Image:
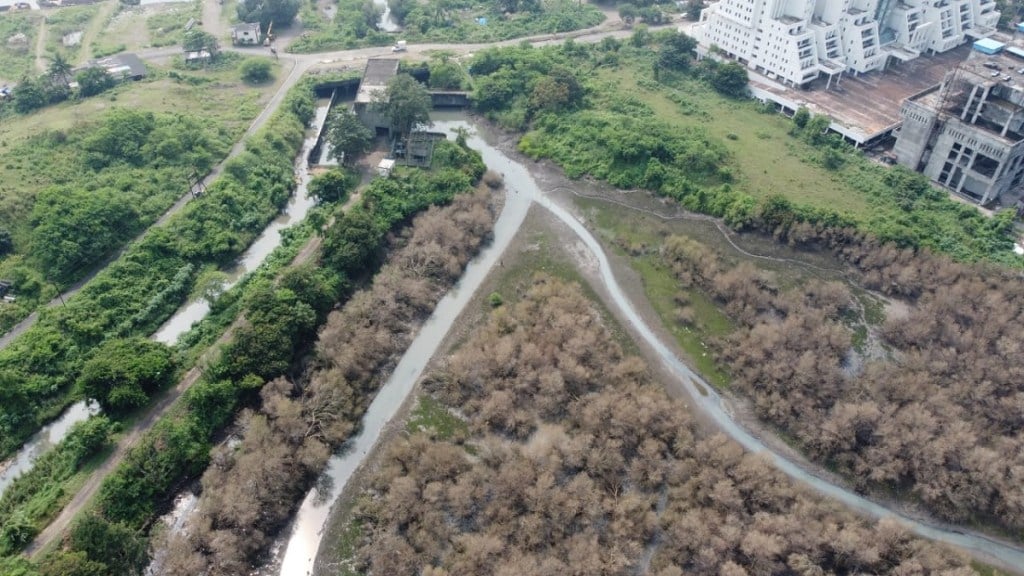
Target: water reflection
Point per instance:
(47, 437)
(295, 211)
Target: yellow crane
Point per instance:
(270, 34)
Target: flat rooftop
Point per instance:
(868, 105)
(1001, 68)
(378, 72)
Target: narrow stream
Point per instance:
(521, 191)
(295, 211)
(47, 437)
(308, 527)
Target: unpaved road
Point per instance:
(294, 74)
(41, 64)
(213, 23)
(61, 523)
(1004, 554)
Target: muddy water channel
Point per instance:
(188, 314)
(296, 551)
(303, 540)
(295, 211)
(47, 437)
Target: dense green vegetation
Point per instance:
(35, 496)
(136, 293)
(280, 320)
(124, 373)
(651, 117)
(355, 24)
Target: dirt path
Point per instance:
(155, 413)
(96, 25)
(41, 63)
(92, 485)
(293, 76)
(213, 23)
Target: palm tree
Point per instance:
(60, 68)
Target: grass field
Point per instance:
(766, 155)
(67, 21)
(432, 417)
(768, 159)
(16, 59)
(216, 96)
(623, 228)
(167, 26)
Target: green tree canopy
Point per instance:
(125, 372)
(197, 39)
(558, 90)
(730, 79)
(628, 12)
(92, 81)
(29, 95)
(332, 186)
(255, 70)
(446, 74)
(406, 102)
(278, 12)
(677, 51)
(116, 545)
(72, 564)
(349, 137)
(60, 68)
(72, 228)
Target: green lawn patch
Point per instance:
(68, 21)
(637, 240)
(434, 418)
(17, 57)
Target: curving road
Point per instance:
(1000, 553)
(1003, 554)
(303, 545)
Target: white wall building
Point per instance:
(797, 40)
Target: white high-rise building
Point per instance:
(797, 40)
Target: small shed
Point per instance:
(246, 34)
(988, 46)
(386, 166)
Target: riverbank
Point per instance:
(717, 412)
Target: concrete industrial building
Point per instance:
(796, 41)
(967, 134)
(376, 75)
